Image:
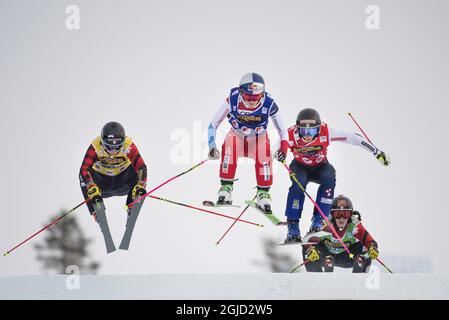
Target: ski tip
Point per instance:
(217, 243)
(349, 113)
(5, 254)
(351, 256)
(125, 207)
(260, 225)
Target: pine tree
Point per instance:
(65, 245)
(276, 261)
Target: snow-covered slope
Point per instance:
(230, 286)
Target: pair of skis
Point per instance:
(269, 215)
(100, 216)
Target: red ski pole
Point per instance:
(235, 221)
(163, 184)
(357, 124)
(299, 266)
(46, 227)
(384, 265)
(204, 210)
(360, 128)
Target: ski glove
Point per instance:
(382, 157)
(373, 253)
(139, 189)
(93, 191)
(312, 254)
(214, 154)
(281, 154)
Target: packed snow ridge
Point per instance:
(260, 286)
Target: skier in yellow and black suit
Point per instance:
(112, 166)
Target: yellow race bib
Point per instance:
(111, 165)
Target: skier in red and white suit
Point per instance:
(248, 109)
(309, 139)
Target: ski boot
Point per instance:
(96, 201)
(293, 234)
(263, 200)
(328, 264)
(317, 223)
(128, 215)
(225, 194)
(360, 264)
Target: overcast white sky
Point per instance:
(163, 67)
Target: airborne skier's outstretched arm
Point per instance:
(281, 154)
(141, 170)
(89, 159)
(218, 118)
(357, 140)
(89, 188)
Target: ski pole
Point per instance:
(384, 265)
(299, 266)
(235, 221)
(357, 124)
(292, 175)
(163, 184)
(204, 210)
(46, 227)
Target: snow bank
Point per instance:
(229, 286)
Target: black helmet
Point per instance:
(113, 136)
(308, 118)
(341, 206)
(341, 203)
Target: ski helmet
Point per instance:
(308, 122)
(308, 118)
(341, 207)
(341, 203)
(113, 136)
(252, 84)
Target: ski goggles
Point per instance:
(338, 214)
(252, 88)
(252, 97)
(311, 131)
(114, 146)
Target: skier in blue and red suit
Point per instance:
(308, 140)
